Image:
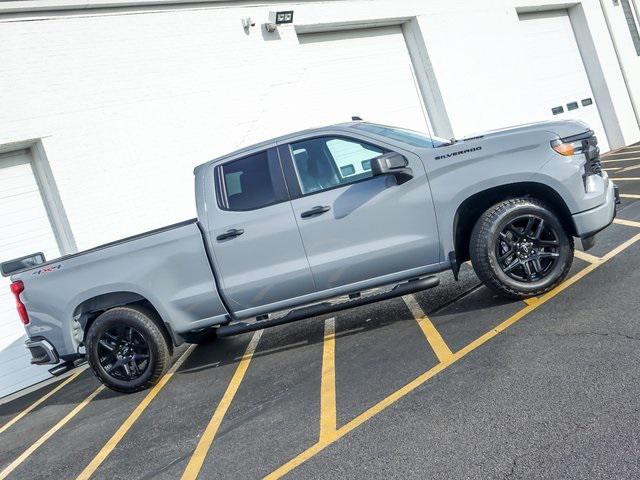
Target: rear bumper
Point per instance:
(42, 352)
(590, 222)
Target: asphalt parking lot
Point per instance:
(452, 382)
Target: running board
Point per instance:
(64, 367)
(399, 290)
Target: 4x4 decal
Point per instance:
(47, 269)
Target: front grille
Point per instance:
(592, 153)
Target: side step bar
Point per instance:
(64, 367)
(399, 290)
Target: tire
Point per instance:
(504, 250)
(117, 343)
(200, 337)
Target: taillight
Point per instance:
(17, 288)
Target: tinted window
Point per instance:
(328, 162)
(411, 137)
(248, 183)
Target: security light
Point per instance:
(247, 23)
(278, 18)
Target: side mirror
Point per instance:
(392, 164)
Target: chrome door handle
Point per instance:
(234, 232)
(319, 210)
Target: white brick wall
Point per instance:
(127, 102)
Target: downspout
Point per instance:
(622, 70)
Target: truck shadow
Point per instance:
(304, 333)
(358, 194)
(444, 305)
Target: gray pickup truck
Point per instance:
(315, 222)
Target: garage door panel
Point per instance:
(365, 72)
(24, 228)
(557, 73)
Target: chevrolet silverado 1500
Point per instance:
(314, 222)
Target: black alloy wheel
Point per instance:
(127, 348)
(520, 248)
(528, 248)
(124, 353)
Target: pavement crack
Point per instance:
(582, 334)
(599, 334)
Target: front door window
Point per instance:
(328, 162)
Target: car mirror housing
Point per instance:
(392, 164)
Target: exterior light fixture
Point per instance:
(278, 18)
(247, 23)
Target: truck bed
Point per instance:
(168, 267)
(109, 244)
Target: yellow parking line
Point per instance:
(40, 400)
(200, 453)
(625, 179)
(421, 379)
(623, 150)
(13, 465)
(629, 195)
(629, 168)
(628, 223)
(612, 160)
(439, 346)
(612, 169)
(620, 154)
(328, 382)
(587, 257)
(108, 447)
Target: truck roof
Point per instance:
(280, 139)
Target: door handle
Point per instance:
(234, 232)
(319, 210)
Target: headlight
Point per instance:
(582, 144)
(568, 148)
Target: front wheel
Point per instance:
(127, 350)
(520, 249)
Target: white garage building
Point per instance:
(107, 105)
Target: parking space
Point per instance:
(452, 382)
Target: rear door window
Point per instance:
(250, 183)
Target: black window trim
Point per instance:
(279, 183)
(291, 176)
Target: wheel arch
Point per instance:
(470, 210)
(90, 309)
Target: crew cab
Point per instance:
(314, 222)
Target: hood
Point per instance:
(561, 128)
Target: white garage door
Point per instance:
(366, 73)
(560, 86)
(24, 229)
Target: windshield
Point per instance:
(411, 137)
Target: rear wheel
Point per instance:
(127, 350)
(520, 249)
